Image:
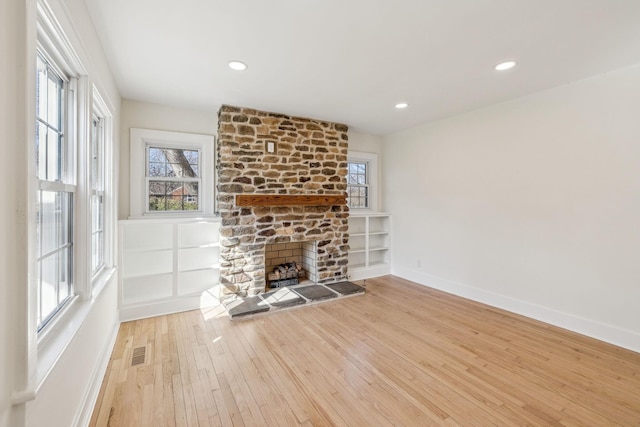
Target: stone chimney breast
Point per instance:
(262, 153)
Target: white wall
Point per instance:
(63, 397)
(143, 115)
(360, 141)
(531, 205)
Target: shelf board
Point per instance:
(356, 266)
(378, 264)
(357, 251)
(380, 248)
(214, 267)
(371, 214)
(371, 265)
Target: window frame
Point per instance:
(103, 187)
(371, 160)
(43, 346)
(141, 140)
(97, 279)
(64, 183)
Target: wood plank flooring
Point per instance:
(402, 354)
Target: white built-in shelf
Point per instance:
(166, 265)
(369, 241)
(210, 268)
(378, 265)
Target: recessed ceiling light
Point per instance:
(401, 105)
(505, 65)
(237, 65)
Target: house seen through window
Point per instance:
(173, 179)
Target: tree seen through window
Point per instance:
(357, 185)
(173, 178)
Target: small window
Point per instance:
(173, 179)
(362, 179)
(171, 173)
(358, 185)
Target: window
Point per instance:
(71, 218)
(358, 184)
(56, 191)
(361, 180)
(171, 173)
(97, 194)
(173, 179)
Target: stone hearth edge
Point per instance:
(289, 297)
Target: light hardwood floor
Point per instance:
(402, 354)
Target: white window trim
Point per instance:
(73, 118)
(371, 159)
(143, 138)
(99, 108)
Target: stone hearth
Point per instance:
(289, 297)
(264, 153)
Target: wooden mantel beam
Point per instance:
(255, 200)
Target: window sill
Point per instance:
(366, 212)
(53, 342)
(171, 219)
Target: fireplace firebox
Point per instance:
(289, 264)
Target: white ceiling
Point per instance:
(350, 61)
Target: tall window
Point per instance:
(97, 194)
(56, 190)
(358, 184)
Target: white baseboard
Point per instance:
(614, 335)
(83, 417)
(159, 308)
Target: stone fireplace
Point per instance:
(281, 180)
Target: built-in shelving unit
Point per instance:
(370, 245)
(166, 265)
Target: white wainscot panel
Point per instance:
(197, 234)
(137, 290)
(138, 263)
(197, 258)
(198, 281)
(147, 236)
(167, 265)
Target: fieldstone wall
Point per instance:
(310, 157)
